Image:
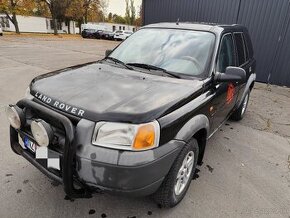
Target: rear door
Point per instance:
(242, 58)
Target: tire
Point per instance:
(167, 195)
(240, 112)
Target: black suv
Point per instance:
(88, 33)
(104, 34)
(137, 122)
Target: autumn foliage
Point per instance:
(81, 11)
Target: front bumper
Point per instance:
(126, 172)
(92, 167)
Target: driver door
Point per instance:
(226, 92)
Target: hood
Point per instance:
(102, 92)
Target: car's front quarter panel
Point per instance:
(130, 172)
(184, 122)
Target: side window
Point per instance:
(246, 48)
(241, 48)
(226, 54)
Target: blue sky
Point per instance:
(119, 6)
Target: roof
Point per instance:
(210, 27)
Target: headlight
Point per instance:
(27, 94)
(42, 132)
(15, 116)
(127, 136)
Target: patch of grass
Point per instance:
(13, 34)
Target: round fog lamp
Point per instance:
(42, 132)
(15, 116)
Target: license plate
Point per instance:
(46, 157)
(29, 144)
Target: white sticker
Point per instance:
(53, 163)
(41, 153)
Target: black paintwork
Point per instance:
(97, 34)
(88, 33)
(104, 91)
(102, 34)
(111, 93)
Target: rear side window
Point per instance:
(246, 48)
(226, 56)
(242, 52)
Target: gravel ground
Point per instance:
(245, 171)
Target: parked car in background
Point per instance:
(88, 33)
(104, 34)
(108, 35)
(98, 34)
(122, 35)
(1, 31)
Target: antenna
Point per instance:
(177, 22)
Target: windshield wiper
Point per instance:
(117, 61)
(152, 67)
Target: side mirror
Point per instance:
(232, 74)
(108, 52)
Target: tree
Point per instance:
(119, 19)
(127, 12)
(110, 17)
(133, 12)
(40, 9)
(13, 7)
(75, 12)
(139, 21)
(130, 13)
(104, 7)
(95, 13)
(84, 11)
(87, 5)
(57, 10)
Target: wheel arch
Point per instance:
(252, 85)
(201, 138)
(198, 128)
(249, 86)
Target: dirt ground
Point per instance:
(245, 173)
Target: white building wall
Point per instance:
(64, 27)
(73, 28)
(39, 25)
(43, 25)
(109, 26)
(29, 24)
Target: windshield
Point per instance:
(180, 51)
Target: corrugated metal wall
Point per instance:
(267, 20)
(217, 11)
(280, 74)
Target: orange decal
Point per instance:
(230, 93)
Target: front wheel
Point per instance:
(240, 112)
(177, 181)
